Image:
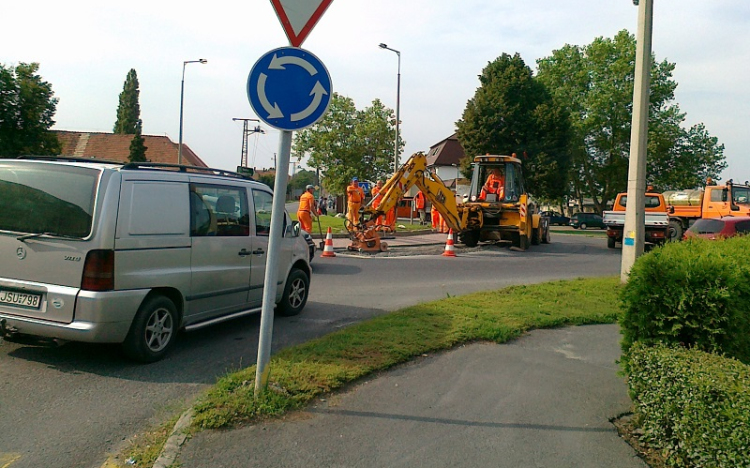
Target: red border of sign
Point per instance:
(294, 39)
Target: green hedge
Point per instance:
(694, 293)
(694, 406)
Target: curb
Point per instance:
(172, 446)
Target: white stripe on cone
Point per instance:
(449, 249)
(328, 247)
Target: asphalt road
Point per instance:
(71, 406)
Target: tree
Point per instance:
(27, 106)
(348, 143)
(268, 179)
(137, 147)
(594, 84)
(513, 113)
(129, 111)
(302, 179)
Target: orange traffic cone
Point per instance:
(449, 250)
(328, 247)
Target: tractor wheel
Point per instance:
(469, 238)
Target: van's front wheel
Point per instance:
(153, 330)
(295, 294)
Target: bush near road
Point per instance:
(686, 329)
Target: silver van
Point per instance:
(131, 253)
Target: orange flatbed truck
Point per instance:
(656, 219)
(713, 201)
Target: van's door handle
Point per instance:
(243, 253)
(258, 251)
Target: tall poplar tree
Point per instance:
(137, 147)
(129, 110)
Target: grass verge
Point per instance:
(337, 225)
(299, 373)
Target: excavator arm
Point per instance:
(414, 172)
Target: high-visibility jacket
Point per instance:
(305, 210)
(494, 183)
(306, 202)
(355, 194)
(419, 200)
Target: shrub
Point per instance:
(692, 405)
(694, 293)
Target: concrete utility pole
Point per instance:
(246, 131)
(634, 230)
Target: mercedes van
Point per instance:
(132, 253)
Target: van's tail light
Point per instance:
(99, 271)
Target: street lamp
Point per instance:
(182, 100)
(398, 106)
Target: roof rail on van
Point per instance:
(182, 168)
(60, 157)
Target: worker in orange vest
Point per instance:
(306, 210)
(495, 184)
(390, 219)
(377, 197)
(355, 196)
(436, 219)
(419, 203)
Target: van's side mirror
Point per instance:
(292, 230)
(724, 196)
(671, 209)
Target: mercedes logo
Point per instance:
(21, 253)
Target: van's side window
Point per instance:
(218, 211)
(263, 202)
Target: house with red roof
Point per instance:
(116, 147)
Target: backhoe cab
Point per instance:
(499, 210)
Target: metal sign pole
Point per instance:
(272, 264)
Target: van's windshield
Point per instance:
(37, 198)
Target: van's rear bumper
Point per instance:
(100, 317)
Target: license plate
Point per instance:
(20, 298)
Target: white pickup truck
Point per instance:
(657, 219)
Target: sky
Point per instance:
(85, 50)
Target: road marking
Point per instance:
(7, 459)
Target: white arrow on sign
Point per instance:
(317, 93)
(278, 63)
(274, 112)
(299, 17)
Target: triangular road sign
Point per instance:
(298, 17)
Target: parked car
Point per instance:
(587, 220)
(130, 254)
(719, 228)
(556, 218)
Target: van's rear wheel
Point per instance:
(153, 330)
(295, 294)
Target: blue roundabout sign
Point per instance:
(289, 88)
